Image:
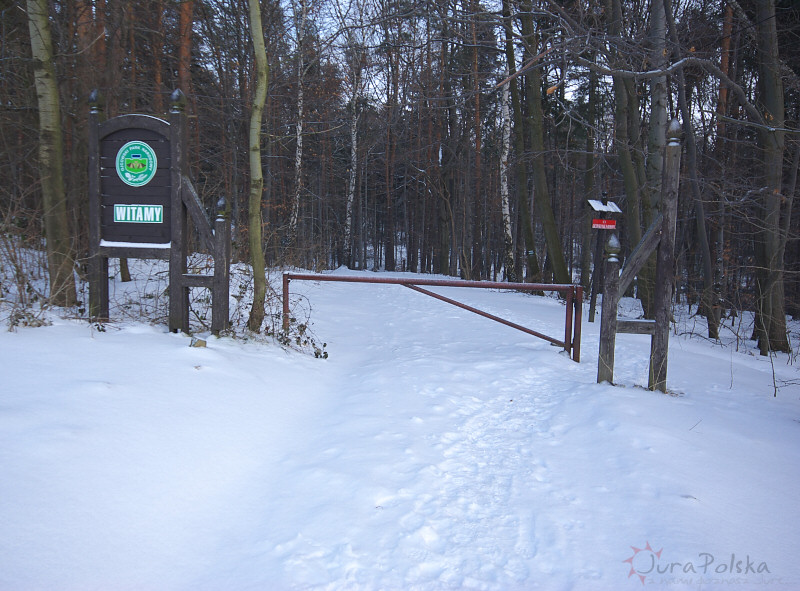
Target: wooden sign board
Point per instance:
(140, 200)
(602, 224)
(135, 187)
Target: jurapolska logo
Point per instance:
(637, 562)
(646, 561)
(136, 163)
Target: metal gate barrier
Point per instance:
(573, 294)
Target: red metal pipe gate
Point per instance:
(572, 293)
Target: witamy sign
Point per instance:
(136, 165)
(138, 214)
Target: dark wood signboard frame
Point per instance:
(140, 204)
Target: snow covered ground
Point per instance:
(432, 450)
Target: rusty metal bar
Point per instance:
(558, 287)
(486, 315)
(568, 321)
(576, 322)
(572, 294)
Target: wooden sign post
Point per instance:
(140, 200)
(602, 208)
(661, 235)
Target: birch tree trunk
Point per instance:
(60, 260)
(301, 14)
(505, 150)
(256, 175)
(351, 182)
(534, 272)
(356, 59)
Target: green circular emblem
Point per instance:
(136, 163)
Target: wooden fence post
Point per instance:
(608, 319)
(665, 260)
(220, 296)
(98, 263)
(178, 292)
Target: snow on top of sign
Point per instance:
(598, 205)
(113, 244)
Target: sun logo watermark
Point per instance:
(707, 569)
(642, 561)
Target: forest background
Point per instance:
(460, 137)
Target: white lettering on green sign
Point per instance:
(139, 214)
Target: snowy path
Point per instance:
(433, 450)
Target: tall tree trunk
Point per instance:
(392, 94)
(626, 108)
(256, 175)
(445, 156)
(771, 324)
(724, 66)
(300, 16)
(60, 259)
(699, 207)
(505, 149)
(185, 46)
(477, 197)
(589, 184)
(721, 156)
(389, 215)
(544, 208)
(357, 62)
(534, 273)
(656, 144)
(347, 248)
(158, 51)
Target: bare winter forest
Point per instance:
(460, 137)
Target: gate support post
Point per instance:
(220, 297)
(576, 335)
(660, 235)
(608, 319)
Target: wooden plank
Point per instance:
(195, 209)
(192, 280)
(145, 252)
(138, 121)
(636, 326)
(112, 185)
(640, 254)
